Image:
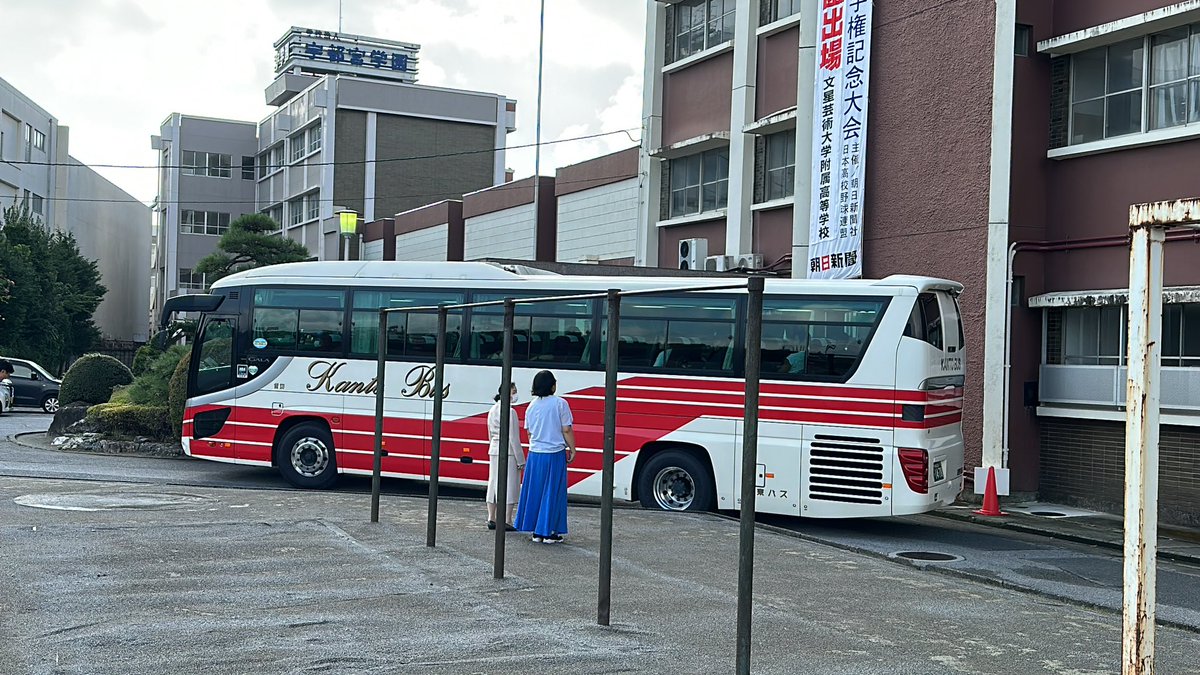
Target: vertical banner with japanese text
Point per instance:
(839, 162)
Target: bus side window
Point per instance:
(817, 338)
(299, 319)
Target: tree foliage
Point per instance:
(251, 241)
(48, 292)
(91, 379)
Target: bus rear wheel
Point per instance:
(674, 480)
(305, 456)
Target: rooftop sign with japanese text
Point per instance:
(839, 161)
(319, 52)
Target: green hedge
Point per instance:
(91, 379)
(150, 386)
(177, 394)
(131, 419)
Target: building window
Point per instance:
(296, 211)
(779, 9)
(314, 138)
(247, 167)
(1110, 90)
(313, 202)
(39, 140)
(1175, 77)
(28, 143)
(1097, 336)
(211, 164)
(700, 182)
(781, 164)
(35, 203)
(700, 24)
(298, 146)
(212, 223)
(1024, 37)
(191, 281)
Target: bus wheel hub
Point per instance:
(310, 456)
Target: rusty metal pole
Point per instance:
(380, 370)
(435, 447)
(502, 459)
(745, 605)
(604, 603)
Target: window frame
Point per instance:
(704, 27)
(699, 187)
(788, 170)
(1190, 81)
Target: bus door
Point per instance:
(211, 400)
(931, 369)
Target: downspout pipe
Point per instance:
(1050, 247)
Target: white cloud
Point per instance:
(112, 70)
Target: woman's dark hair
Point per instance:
(543, 384)
(500, 391)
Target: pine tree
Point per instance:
(250, 242)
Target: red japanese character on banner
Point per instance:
(831, 54)
(825, 263)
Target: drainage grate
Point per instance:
(926, 556)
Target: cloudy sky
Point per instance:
(112, 70)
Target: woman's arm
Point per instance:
(569, 437)
(514, 440)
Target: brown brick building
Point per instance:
(1006, 141)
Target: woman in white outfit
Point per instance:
(516, 460)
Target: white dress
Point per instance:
(516, 457)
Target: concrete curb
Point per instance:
(959, 574)
(23, 440)
(1058, 534)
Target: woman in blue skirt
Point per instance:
(542, 508)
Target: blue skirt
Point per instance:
(542, 508)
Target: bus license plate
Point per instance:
(939, 472)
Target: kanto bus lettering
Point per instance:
(418, 383)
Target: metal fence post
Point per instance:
(1141, 447)
(604, 603)
(745, 606)
(502, 459)
(380, 370)
(435, 448)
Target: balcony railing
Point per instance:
(1105, 386)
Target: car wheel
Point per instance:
(305, 456)
(50, 404)
(674, 480)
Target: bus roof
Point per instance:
(370, 273)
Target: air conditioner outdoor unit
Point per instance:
(749, 261)
(718, 263)
(692, 253)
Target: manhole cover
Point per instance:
(140, 501)
(1048, 514)
(926, 556)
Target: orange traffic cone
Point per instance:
(991, 502)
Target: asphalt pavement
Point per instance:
(166, 574)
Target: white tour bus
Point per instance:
(861, 396)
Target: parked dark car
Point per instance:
(33, 386)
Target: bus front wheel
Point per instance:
(305, 456)
(674, 480)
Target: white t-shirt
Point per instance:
(545, 419)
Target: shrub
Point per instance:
(91, 379)
(177, 394)
(150, 387)
(130, 419)
(142, 358)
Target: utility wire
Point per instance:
(334, 163)
(433, 195)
